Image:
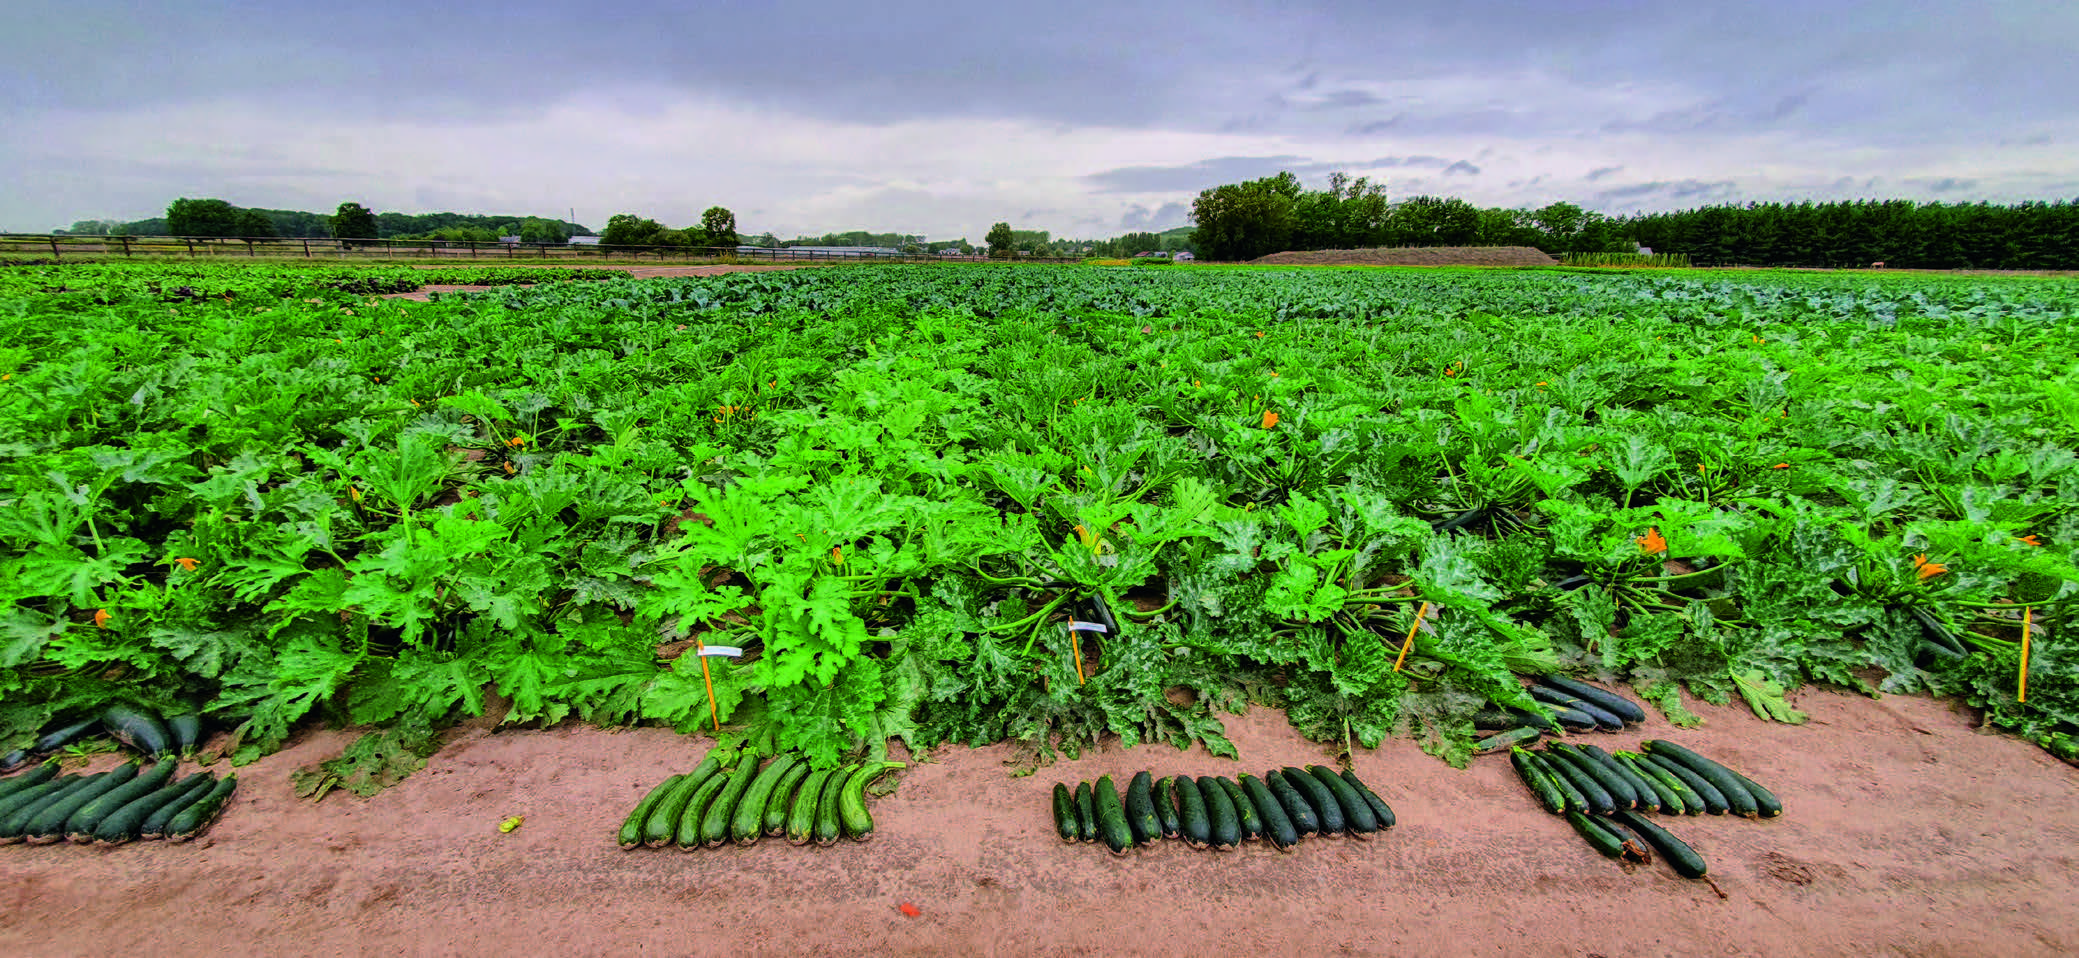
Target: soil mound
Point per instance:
(1414, 256)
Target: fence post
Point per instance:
(125, 240)
(54, 247)
(306, 247)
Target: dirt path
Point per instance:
(1907, 833)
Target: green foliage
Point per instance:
(354, 221)
(1000, 241)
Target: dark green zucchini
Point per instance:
(1226, 828)
(1250, 820)
(1599, 837)
(1111, 816)
(1380, 810)
(197, 817)
(1086, 813)
(782, 800)
(1682, 858)
(1065, 815)
(1553, 697)
(126, 824)
(1295, 804)
(1506, 740)
(35, 776)
(16, 811)
(1357, 813)
(1538, 781)
(1689, 802)
(685, 832)
(1713, 799)
(63, 735)
(1166, 805)
(1765, 802)
(1622, 795)
(48, 824)
(1624, 708)
(718, 821)
(1140, 809)
(1737, 797)
(1328, 813)
(801, 814)
(186, 730)
(1193, 823)
(663, 823)
(137, 728)
(1591, 789)
(79, 828)
(630, 835)
(1937, 634)
(1668, 800)
(1497, 719)
(1646, 797)
(1570, 794)
(1278, 827)
(830, 824)
(747, 821)
(154, 826)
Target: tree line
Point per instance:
(219, 218)
(1900, 234)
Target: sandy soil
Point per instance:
(1908, 832)
(1414, 256)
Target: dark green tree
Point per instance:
(534, 229)
(1000, 241)
(209, 217)
(718, 227)
(354, 221)
(1241, 221)
(253, 224)
(628, 229)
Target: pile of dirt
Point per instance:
(1414, 256)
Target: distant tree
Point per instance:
(534, 229)
(186, 217)
(253, 224)
(1241, 221)
(95, 228)
(628, 229)
(719, 225)
(354, 221)
(999, 241)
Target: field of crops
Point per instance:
(1371, 498)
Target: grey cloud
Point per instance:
(1602, 171)
(1945, 184)
(1637, 194)
(1234, 169)
(1139, 218)
(1463, 168)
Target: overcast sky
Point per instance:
(807, 116)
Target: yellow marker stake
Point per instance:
(1076, 642)
(1409, 643)
(2027, 614)
(716, 713)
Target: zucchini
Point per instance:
(14, 760)
(1506, 740)
(1534, 778)
(125, 824)
(1737, 797)
(79, 829)
(1380, 810)
(1667, 800)
(1357, 815)
(663, 823)
(16, 811)
(1625, 709)
(203, 812)
(1086, 813)
(718, 820)
(1570, 794)
(1192, 823)
(1166, 806)
(1245, 812)
(1621, 793)
(851, 800)
(1602, 839)
(801, 814)
(1598, 799)
(1065, 815)
(48, 824)
(1328, 813)
(1688, 801)
(1140, 809)
(782, 799)
(1713, 799)
(747, 823)
(1645, 798)
(186, 730)
(1111, 816)
(35, 776)
(1765, 802)
(1684, 859)
(829, 827)
(1937, 634)
(630, 834)
(137, 728)
(685, 830)
(1225, 829)
(1277, 825)
(1603, 719)
(63, 735)
(1295, 804)
(155, 824)
(1493, 719)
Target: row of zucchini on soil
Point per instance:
(715, 804)
(120, 805)
(1583, 781)
(1282, 807)
(1576, 707)
(140, 729)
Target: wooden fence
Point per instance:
(60, 246)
